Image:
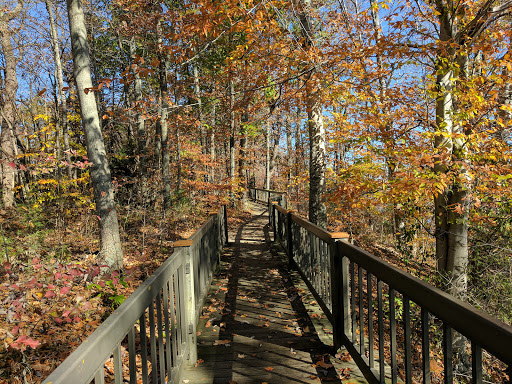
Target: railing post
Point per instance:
(190, 304)
(226, 223)
(289, 236)
(273, 220)
(217, 235)
(270, 212)
(339, 289)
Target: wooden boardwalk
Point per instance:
(260, 324)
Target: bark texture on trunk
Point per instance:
(8, 112)
(452, 202)
(111, 251)
(163, 140)
(314, 106)
(232, 136)
(242, 160)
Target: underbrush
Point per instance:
(52, 294)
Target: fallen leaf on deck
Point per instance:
(221, 342)
(269, 369)
(323, 364)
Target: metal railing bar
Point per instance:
(182, 321)
(407, 340)
(353, 301)
(448, 353)
(361, 309)
(118, 365)
(381, 331)
(152, 340)
(476, 363)
(315, 294)
(132, 355)
(370, 318)
(425, 345)
(174, 341)
(392, 331)
(168, 338)
(490, 333)
(143, 348)
(99, 377)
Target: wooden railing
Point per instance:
(265, 195)
(156, 326)
(385, 317)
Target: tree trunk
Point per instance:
(197, 91)
(232, 136)
(274, 154)
(314, 106)
(212, 144)
(452, 202)
(289, 157)
(163, 150)
(267, 155)
(60, 86)
(8, 112)
(141, 133)
(242, 161)
(111, 251)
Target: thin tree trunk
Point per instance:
(9, 108)
(232, 136)
(274, 154)
(242, 160)
(289, 157)
(141, 133)
(197, 91)
(212, 144)
(60, 86)
(111, 250)
(163, 149)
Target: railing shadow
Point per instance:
(249, 262)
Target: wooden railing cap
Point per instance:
(339, 235)
(183, 243)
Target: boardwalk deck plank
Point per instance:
(260, 324)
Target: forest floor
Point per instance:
(51, 296)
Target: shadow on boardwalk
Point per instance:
(259, 323)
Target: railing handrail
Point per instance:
(490, 333)
(483, 330)
(82, 365)
(268, 190)
(115, 326)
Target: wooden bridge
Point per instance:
(289, 303)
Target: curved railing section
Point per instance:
(154, 330)
(387, 318)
